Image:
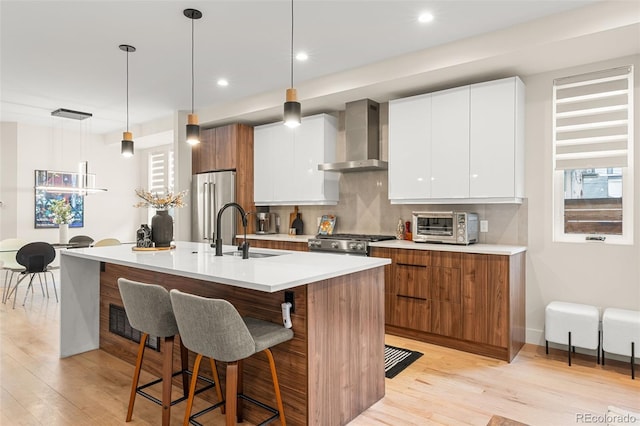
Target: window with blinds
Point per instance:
(160, 177)
(593, 156)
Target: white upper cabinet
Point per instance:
(410, 148)
(450, 143)
(469, 142)
(291, 175)
(497, 139)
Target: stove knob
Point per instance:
(352, 246)
(335, 245)
(360, 246)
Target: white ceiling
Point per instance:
(64, 54)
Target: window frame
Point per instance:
(628, 181)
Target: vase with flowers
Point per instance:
(62, 216)
(161, 222)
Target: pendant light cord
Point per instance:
(127, 90)
(291, 43)
(192, 66)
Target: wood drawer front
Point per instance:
(446, 318)
(411, 280)
(412, 257)
(411, 313)
(446, 259)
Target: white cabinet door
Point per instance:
(286, 162)
(450, 143)
(410, 149)
(263, 163)
(314, 143)
(494, 157)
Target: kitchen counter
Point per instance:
(287, 269)
(498, 249)
(338, 318)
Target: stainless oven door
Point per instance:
(436, 225)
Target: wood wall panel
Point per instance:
(517, 305)
(345, 318)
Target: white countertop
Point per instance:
(472, 248)
(277, 237)
(198, 260)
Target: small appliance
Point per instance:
(267, 223)
(445, 227)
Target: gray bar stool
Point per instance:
(214, 328)
(148, 308)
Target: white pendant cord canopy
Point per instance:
(127, 137)
(292, 112)
(193, 128)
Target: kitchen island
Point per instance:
(329, 373)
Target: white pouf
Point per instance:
(582, 321)
(620, 327)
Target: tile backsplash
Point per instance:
(364, 208)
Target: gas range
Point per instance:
(353, 244)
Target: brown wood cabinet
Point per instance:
(228, 148)
(278, 245)
(472, 302)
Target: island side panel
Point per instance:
(290, 357)
(346, 346)
(517, 306)
(79, 305)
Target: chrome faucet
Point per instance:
(245, 245)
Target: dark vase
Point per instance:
(162, 229)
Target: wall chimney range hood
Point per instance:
(362, 139)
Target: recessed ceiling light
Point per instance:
(223, 82)
(302, 56)
(425, 17)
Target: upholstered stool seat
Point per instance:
(572, 324)
(214, 328)
(621, 333)
(148, 308)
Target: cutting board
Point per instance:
(292, 217)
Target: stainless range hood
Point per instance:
(361, 124)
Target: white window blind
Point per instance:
(593, 119)
(161, 176)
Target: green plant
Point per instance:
(61, 212)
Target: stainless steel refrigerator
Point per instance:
(209, 192)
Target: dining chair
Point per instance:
(35, 258)
(80, 241)
(8, 249)
(107, 242)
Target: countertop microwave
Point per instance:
(445, 227)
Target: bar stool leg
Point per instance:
(231, 392)
(214, 370)
(192, 389)
(633, 361)
(167, 374)
(184, 361)
(136, 375)
(240, 390)
(276, 386)
(569, 349)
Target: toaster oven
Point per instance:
(445, 227)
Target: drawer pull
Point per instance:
(412, 297)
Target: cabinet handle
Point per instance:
(411, 264)
(411, 297)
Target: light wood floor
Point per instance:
(443, 387)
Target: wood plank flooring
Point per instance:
(444, 387)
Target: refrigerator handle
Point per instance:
(205, 217)
(214, 212)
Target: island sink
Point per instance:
(252, 255)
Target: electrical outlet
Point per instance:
(484, 226)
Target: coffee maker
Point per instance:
(267, 223)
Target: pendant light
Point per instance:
(292, 112)
(193, 129)
(127, 137)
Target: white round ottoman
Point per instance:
(572, 324)
(621, 333)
